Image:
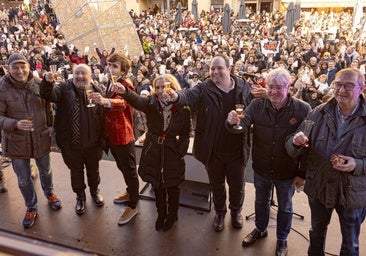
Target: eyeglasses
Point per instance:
(346, 86)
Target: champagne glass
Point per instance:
(308, 125)
(114, 81)
(88, 91)
(167, 86)
(53, 70)
(239, 108)
(30, 119)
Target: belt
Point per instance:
(159, 139)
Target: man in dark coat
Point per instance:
(224, 154)
(79, 131)
(273, 118)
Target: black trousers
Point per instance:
(126, 162)
(76, 160)
(230, 168)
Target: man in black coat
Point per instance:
(273, 119)
(79, 131)
(224, 154)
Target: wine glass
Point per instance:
(239, 108)
(88, 91)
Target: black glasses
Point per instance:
(346, 86)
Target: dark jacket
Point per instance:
(270, 129)
(162, 159)
(92, 124)
(331, 187)
(206, 100)
(17, 102)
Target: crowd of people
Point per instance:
(316, 72)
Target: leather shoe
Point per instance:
(98, 199)
(159, 224)
(218, 223)
(253, 236)
(80, 206)
(169, 222)
(281, 248)
(236, 219)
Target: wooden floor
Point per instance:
(97, 233)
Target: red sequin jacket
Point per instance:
(119, 118)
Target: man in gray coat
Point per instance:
(334, 143)
(24, 119)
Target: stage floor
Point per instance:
(97, 233)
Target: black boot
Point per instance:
(317, 243)
(173, 205)
(160, 196)
(80, 206)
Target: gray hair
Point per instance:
(280, 76)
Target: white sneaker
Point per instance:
(127, 215)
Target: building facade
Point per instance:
(255, 5)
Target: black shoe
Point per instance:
(80, 206)
(218, 223)
(236, 219)
(159, 224)
(281, 248)
(253, 236)
(169, 222)
(98, 199)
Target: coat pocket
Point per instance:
(15, 146)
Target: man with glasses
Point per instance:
(336, 166)
(273, 119)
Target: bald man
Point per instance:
(79, 131)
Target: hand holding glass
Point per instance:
(239, 108)
(88, 91)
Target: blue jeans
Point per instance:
(22, 170)
(284, 190)
(350, 221)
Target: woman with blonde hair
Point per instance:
(162, 159)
